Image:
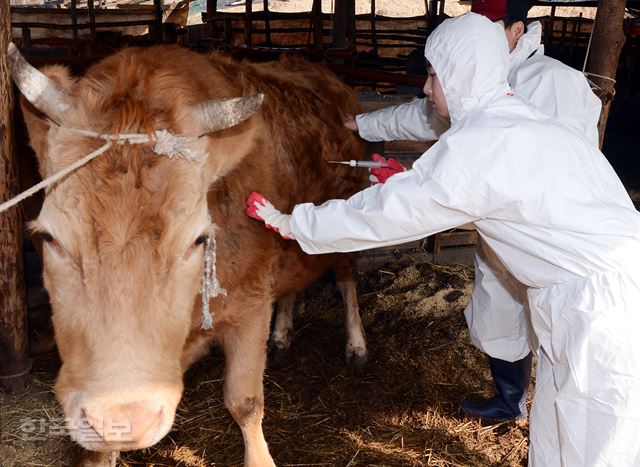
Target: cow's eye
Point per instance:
(52, 242)
(194, 246)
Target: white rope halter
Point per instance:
(210, 286)
(166, 144)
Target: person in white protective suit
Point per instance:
(549, 206)
(496, 315)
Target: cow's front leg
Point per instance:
(245, 348)
(356, 350)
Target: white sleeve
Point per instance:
(412, 121)
(407, 207)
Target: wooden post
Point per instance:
(606, 45)
(14, 339)
(344, 24)
(351, 25)
(92, 20)
(374, 40)
(432, 14)
(75, 49)
(26, 38)
(155, 33)
(318, 24)
(212, 10)
(267, 22)
(340, 24)
(248, 24)
(552, 24)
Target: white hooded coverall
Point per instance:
(551, 208)
(498, 323)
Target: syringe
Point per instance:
(367, 164)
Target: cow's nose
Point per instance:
(133, 425)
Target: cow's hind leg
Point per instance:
(245, 348)
(356, 349)
(282, 334)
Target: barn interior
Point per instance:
(403, 407)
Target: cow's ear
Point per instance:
(231, 126)
(227, 148)
(38, 123)
(38, 126)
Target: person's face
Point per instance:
(513, 33)
(435, 95)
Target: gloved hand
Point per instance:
(383, 173)
(258, 207)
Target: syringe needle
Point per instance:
(366, 164)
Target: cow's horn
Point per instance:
(43, 92)
(219, 114)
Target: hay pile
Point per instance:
(402, 411)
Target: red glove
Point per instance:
(383, 173)
(259, 207)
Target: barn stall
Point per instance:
(403, 408)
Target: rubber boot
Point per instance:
(512, 382)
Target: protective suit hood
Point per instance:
(470, 55)
(527, 45)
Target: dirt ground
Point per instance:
(403, 410)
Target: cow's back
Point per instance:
(304, 107)
(302, 118)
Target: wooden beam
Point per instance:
(14, 339)
(377, 75)
(606, 45)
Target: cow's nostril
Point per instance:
(133, 424)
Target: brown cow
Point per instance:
(124, 234)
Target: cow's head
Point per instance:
(124, 235)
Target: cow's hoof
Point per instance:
(99, 459)
(356, 360)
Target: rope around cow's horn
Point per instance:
(167, 144)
